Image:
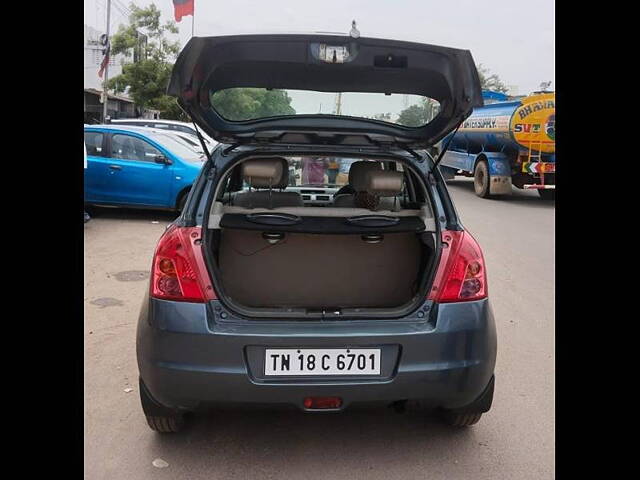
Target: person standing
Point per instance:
(313, 169)
(333, 170)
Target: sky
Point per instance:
(512, 38)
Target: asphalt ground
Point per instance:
(515, 440)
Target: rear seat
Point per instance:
(266, 173)
(358, 181)
(387, 185)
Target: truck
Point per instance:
(505, 143)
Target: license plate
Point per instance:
(325, 361)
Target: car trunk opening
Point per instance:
(270, 258)
(320, 271)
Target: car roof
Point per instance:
(144, 130)
(130, 128)
(151, 120)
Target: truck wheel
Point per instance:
(481, 179)
(547, 194)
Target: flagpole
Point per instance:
(106, 69)
(193, 17)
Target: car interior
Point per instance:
(377, 224)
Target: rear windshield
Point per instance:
(242, 104)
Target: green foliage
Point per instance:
(148, 77)
(490, 81)
(419, 114)
(239, 104)
(385, 117)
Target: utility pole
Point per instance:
(339, 103)
(106, 69)
(193, 17)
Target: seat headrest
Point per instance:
(358, 171)
(266, 172)
(384, 183)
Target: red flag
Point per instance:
(182, 8)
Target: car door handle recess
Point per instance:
(372, 238)
(273, 237)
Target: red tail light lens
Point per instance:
(179, 272)
(322, 403)
(461, 275)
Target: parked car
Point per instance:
(190, 140)
(378, 296)
(171, 125)
(136, 167)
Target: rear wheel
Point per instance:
(470, 414)
(182, 201)
(165, 424)
(481, 179)
(159, 418)
(460, 419)
(546, 194)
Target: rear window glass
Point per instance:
(242, 104)
(126, 147)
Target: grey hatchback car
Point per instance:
(351, 281)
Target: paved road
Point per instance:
(515, 440)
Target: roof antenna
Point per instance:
(354, 33)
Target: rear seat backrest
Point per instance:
(270, 173)
(358, 180)
(385, 184)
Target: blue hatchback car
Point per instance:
(138, 167)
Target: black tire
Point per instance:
(482, 179)
(182, 201)
(547, 194)
(159, 418)
(460, 419)
(166, 424)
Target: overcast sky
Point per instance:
(513, 38)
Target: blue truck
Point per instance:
(506, 143)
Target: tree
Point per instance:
(148, 77)
(239, 104)
(418, 114)
(385, 117)
(490, 81)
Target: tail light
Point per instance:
(322, 403)
(179, 272)
(461, 275)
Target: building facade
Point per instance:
(93, 59)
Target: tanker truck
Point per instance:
(505, 144)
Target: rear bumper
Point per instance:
(188, 357)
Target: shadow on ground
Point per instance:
(131, 214)
(355, 440)
(518, 197)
